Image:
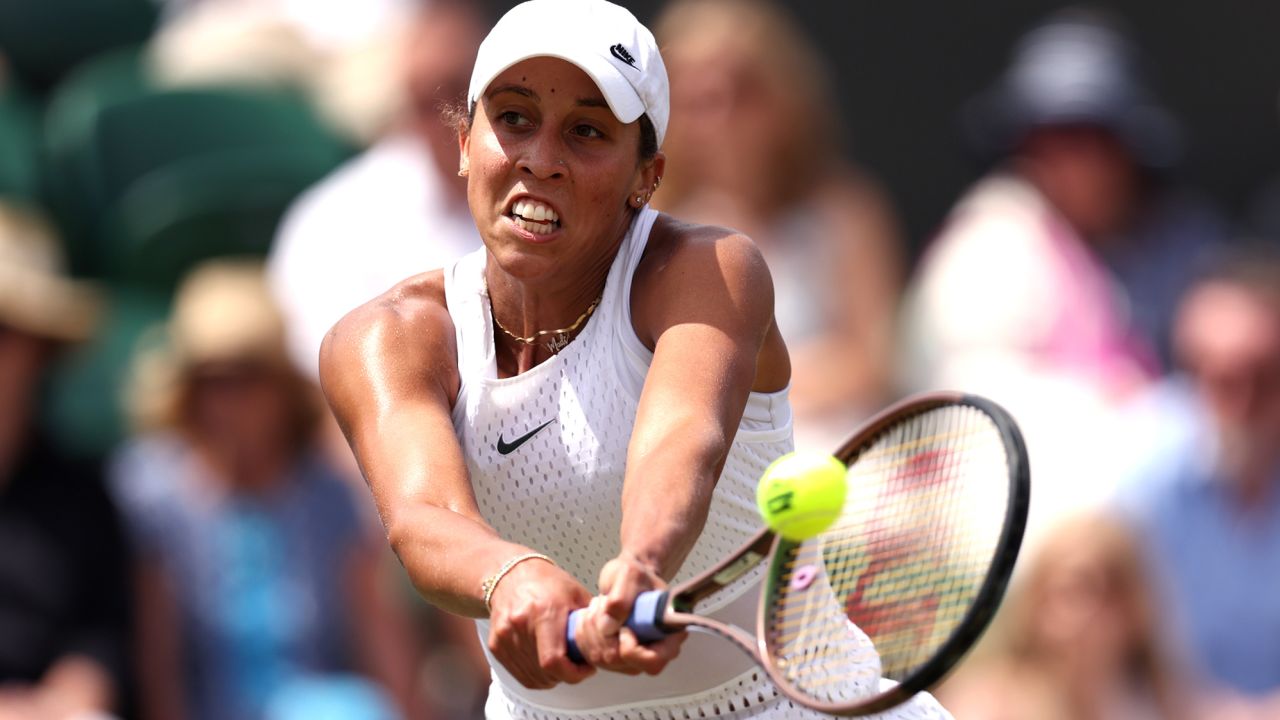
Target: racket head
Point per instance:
(908, 578)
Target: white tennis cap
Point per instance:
(603, 39)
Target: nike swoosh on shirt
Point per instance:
(506, 448)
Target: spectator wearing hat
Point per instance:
(1074, 117)
(1051, 285)
(63, 567)
(259, 582)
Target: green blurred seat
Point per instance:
(84, 405)
(151, 181)
(192, 174)
(44, 39)
(188, 174)
(19, 153)
(72, 185)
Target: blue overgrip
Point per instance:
(645, 621)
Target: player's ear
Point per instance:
(650, 178)
(464, 154)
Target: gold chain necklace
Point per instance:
(559, 338)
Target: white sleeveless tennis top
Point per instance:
(546, 451)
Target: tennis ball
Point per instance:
(801, 493)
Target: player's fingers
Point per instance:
(599, 636)
(551, 651)
(621, 581)
(608, 614)
(523, 667)
(512, 647)
(649, 658)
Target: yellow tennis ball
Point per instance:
(801, 494)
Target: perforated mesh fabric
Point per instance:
(747, 696)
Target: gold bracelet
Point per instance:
(490, 583)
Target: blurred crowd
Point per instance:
(193, 191)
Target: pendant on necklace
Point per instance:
(558, 343)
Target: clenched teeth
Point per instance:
(537, 228)
(536, 211)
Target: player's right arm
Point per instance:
(389, 371)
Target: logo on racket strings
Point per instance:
(803, 577)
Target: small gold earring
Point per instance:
(639, 201)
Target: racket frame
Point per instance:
(987, 600)
(675, 611)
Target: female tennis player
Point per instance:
(584, 404)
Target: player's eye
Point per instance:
(514, 118)
(586, 131)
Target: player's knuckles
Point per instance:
(562, 669)
(654, 667)
(624, 668)
(618, 606)
(610, 658)
(497, 642)
(504, 638)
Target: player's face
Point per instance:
(551, 170)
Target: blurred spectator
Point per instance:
(63, 567)
(343, 54)
(396, 210)
(324, 24)
(259, 585)
(753, 145)
(1079, 638)
(1209, 504)
(1074, 118)
(1051, 285)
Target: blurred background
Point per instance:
(1073, 209)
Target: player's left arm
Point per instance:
(702, 298)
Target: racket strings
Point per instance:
(880, 592)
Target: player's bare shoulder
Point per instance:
(689, 262)
(674, 240)
(403, 336)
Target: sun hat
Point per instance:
(604, 40)
(1076, 68)
(222, 316)
(36, 295)
(224, 312)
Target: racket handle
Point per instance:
(645, 621)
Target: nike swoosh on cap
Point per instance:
(621, 53)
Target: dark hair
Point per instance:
(648, 138)
(460, 115)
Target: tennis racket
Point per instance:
(889, 598)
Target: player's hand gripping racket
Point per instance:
(904, 581)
